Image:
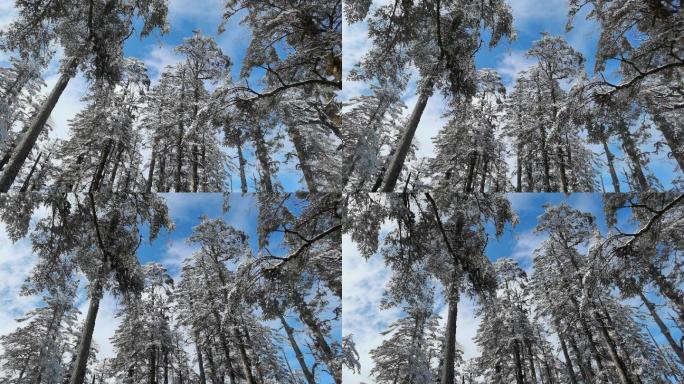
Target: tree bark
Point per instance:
(533, 372)
(663, 328)
(78, 375)
(566, 355)
(179, 157)
(610, 158)
(667, 289)
(673, 142)
(404, 145)
(242, 164)
(295, 347)
(200, 362)
(518, 363)
(24, 147)
(152, 368)
(563, 173)
(99, 171)
(150, 174)
(519, 169)
(195, 166)
(244, 359)
(448, 359)
(264, 161)
(620, 367)
(304, 162)
(25, 185)
(634, 156)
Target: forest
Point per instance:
(569, 122)
(253, 303)
(594, 301)
(195, 129)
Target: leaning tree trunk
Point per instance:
(634, 156)
(663, 328)
(28, 140)
(298, 352)
(244, 359)
(563, 173)
(533, 372)
(397, 163)
(242, 162)
(27, 181)
(304, 161)
(264, 160)
(620, 366)
(566, 355)
(449, 354)
(672, 141)
(152, 371)
(667, 289)
(78, 374)
(611, 164)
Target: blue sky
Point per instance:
(364, 281)
(157, 51)
(530, 19)
(169, 249)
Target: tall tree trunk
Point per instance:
(25, 185)
(298, 352)
(28, 140)
(195, 165)
(78, 374)
(117, 163)
(673, 142)
(563, 174)
(152, 368)
(584, 370)
(179, 156)
(610, 158)
(533, 371)
(519, 169)
(264, 160)
(634, 156)
(663, 328)
(620, 366)
(101, 165)
(161, 182)
(304, 162)
(566, 355)
(166, 367)
(150, 174)
(667, 289)
(518, 363)
(449, 354)
(483, 180)
(545, 160)
(242, 163)
(404, 145)
(212, 366)
(244, 359)
(320, 343)
(200, 362)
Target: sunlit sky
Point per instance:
(364, 280)
(169, 249)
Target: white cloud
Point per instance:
(526, 12)
(160, 57)
(512, 64)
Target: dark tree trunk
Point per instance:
(563, 173)
(566, 355)
(298, 352)
(101, 165)
(25, 186)
(585, 371)
(166, 367)
(620, 366)
(200, 362)
(519, 169)
(244, 359)
(518, 363)
(671, 138)
(610, 158)
(242, 163)
(304, 162)
(663, 328)
(195, 165)
(28, 140)
(634, 156)
(449, 354)
(264, 161)
(150, 174)
(179, 156)
(667, 289)
(404, 145)
(212, 366)
(533, 372)
(161, 182)
(152, 367)
(117, 163)
(78, 375)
